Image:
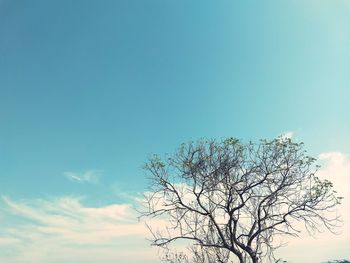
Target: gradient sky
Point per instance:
(90, 89)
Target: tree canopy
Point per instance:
(232, 201)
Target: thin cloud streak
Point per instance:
(90, 176)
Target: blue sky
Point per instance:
(90, 89)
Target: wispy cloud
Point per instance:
(131, 197)
(90, 176)
(64, 230)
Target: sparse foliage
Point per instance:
(231, 201)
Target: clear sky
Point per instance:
(90, 89)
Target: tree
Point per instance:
(232, 201)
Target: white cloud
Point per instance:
(64, 230)
(90, 176)
(336, 168)
(4, 241)
(287, 135)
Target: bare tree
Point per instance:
(232, 201)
